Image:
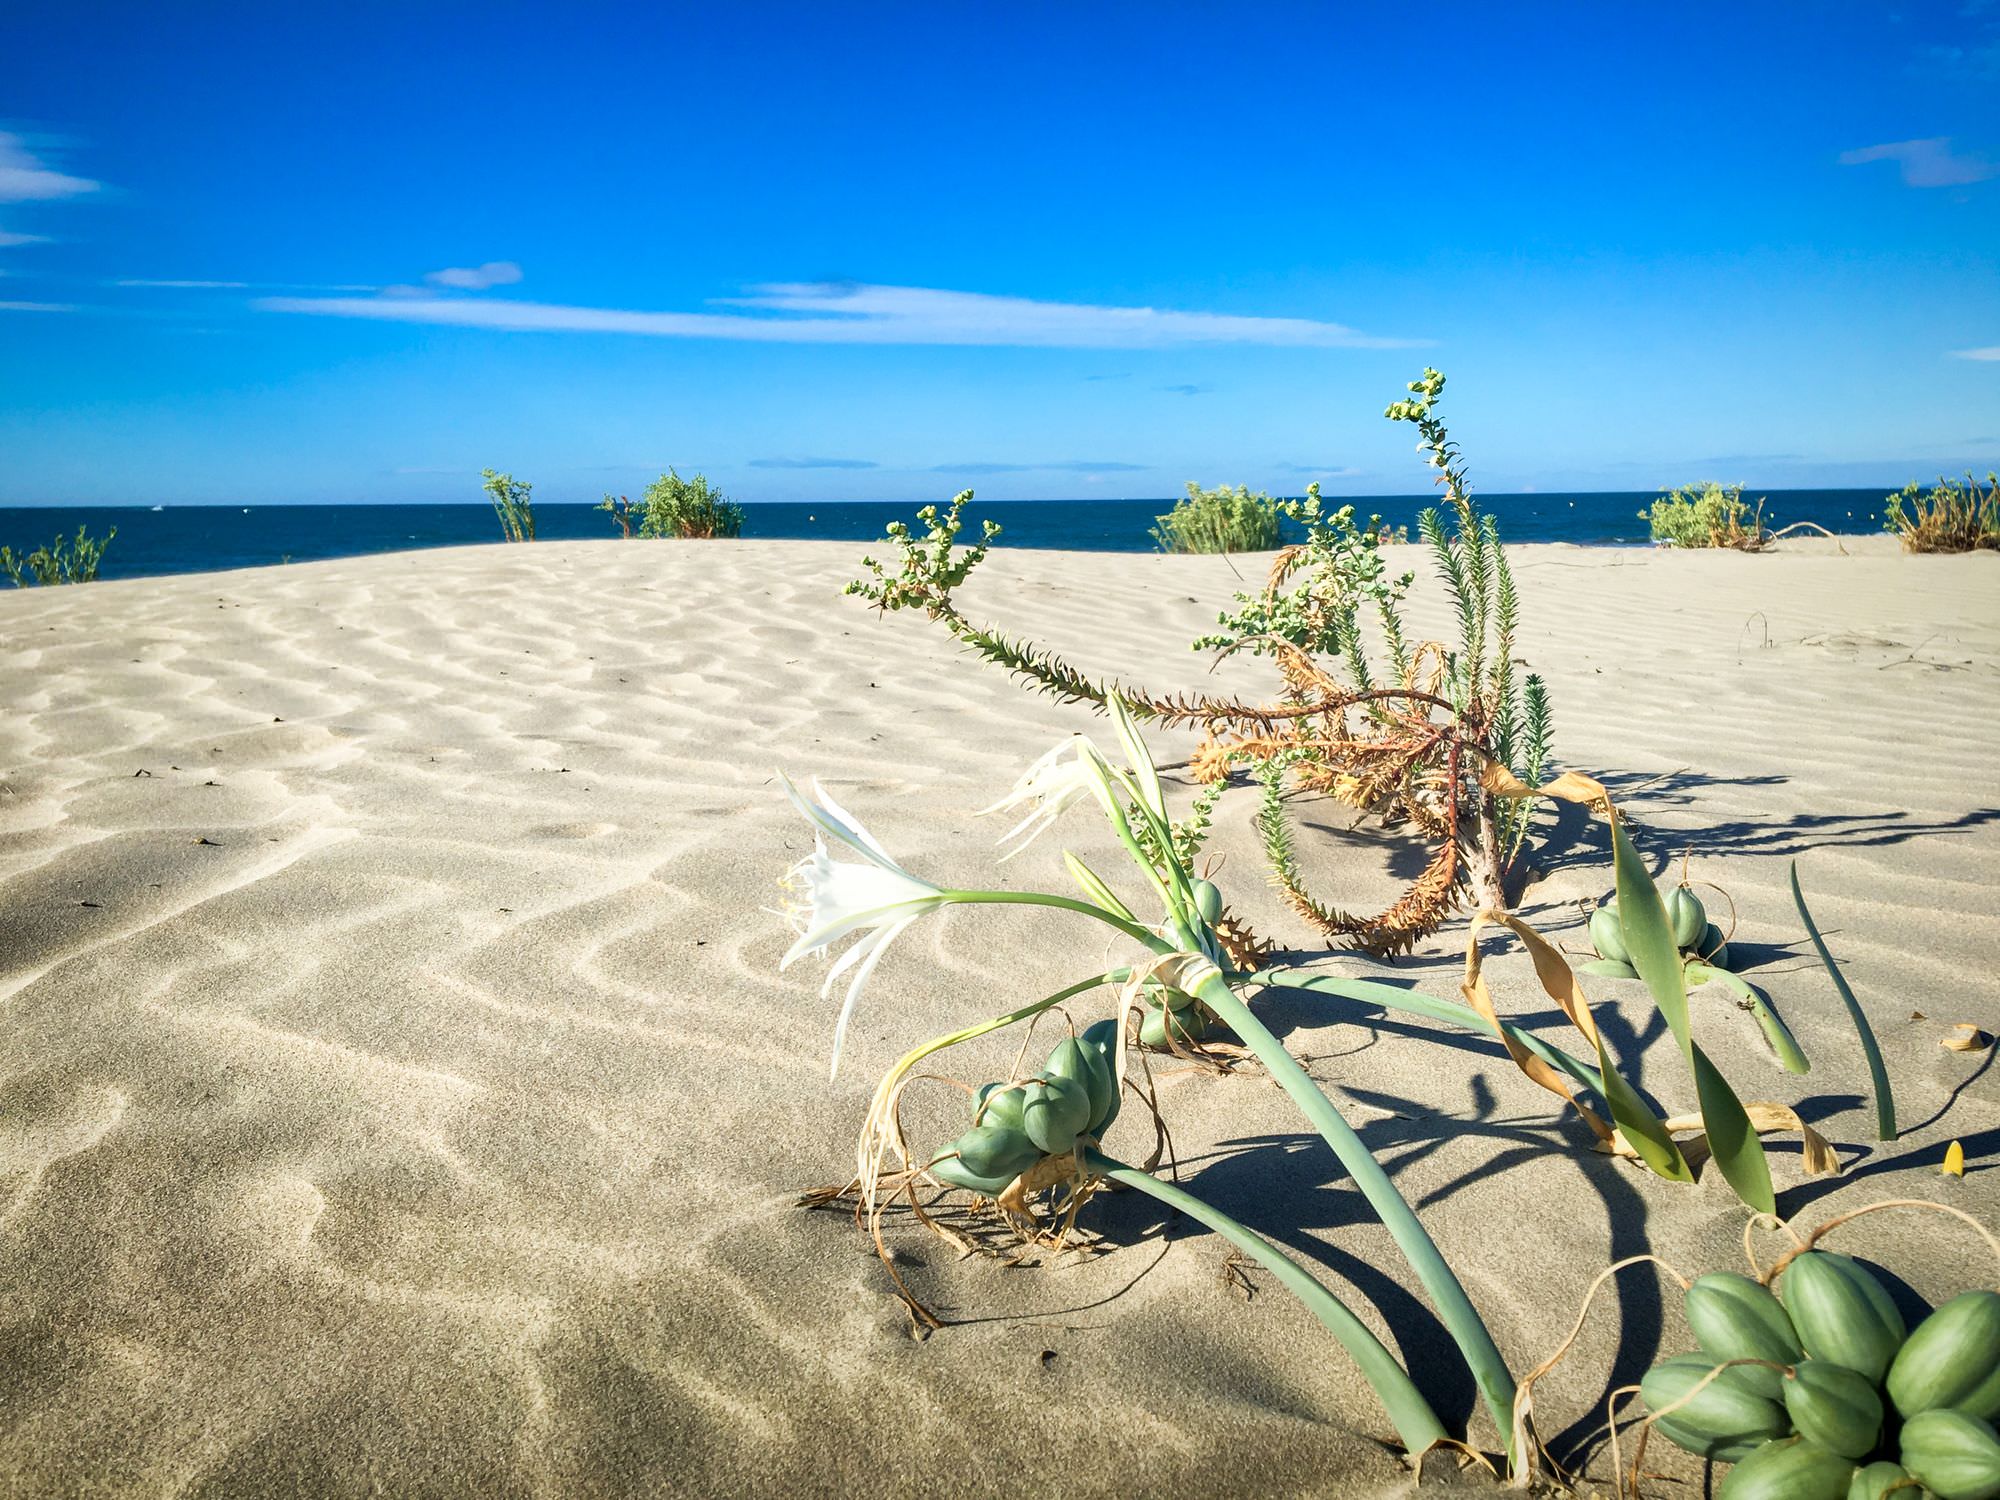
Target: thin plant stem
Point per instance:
(1131, 930)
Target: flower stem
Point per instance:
(1416, 1424)
(1065, 903)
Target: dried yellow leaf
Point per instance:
(1559, 980)
(1819, 1158)
(1965, 1037)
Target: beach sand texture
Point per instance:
(399, 1094)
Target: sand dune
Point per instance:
(400, 1096)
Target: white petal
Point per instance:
(873, 945)
(838, 821)
(1136, 755)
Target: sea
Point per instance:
(201, 538)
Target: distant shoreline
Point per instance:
(176, 539)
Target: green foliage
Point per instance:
(1953, 517)
(931, 567)
(1332, 608)
(1190, 832)
(679, 507)
(1707, 515)
(61, 561)
(1219, 520)
(511, 503)
(620, 510)
(1465, 545)
(1342, 571)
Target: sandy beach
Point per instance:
(400, 1095)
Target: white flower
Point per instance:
(1073, 769)
(874, 896)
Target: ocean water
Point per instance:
(199, 538)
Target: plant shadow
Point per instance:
(1291, 1188)
(1568, 835)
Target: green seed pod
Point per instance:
(1723, 1420)
(1841, 1312)
(1085, 1064)
(1208, 901)
(1190, 1026)
(1000, 1106)
(1606, 936)
(1955, 1456)
(1792, 1470)
(1687, 916)
(1101, 1041)
(953, 1171)
(1952, 1359)
(995, 1151)
(1734, 1317)
(1053, 1112)
(1832, 1406)
(1874, 1481)
(1713, 951)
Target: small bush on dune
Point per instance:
(59, 562)
(511, 503)
(679, 507)
(1953, 517)
(621, 510)
(1708, 515)
(1219, 520)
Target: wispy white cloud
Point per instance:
(25, 177)
(476, 278)
(814, 463)
(275, 286)
(1929, 163)
(846, 313)
(1991, 351)
(1065, 466)
(53, 307)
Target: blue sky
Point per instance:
(880, 252)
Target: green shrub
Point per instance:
(1219, 520)
(621, 511)
(1953, 517)
(59, 562)
(1707, 515)
(511, 503)
(674, 506)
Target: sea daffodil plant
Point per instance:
(878, 898)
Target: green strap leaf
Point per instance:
(1791, 1057)
(1878, 1076)
(1448, 1295)
(1095, 888)
(1649, 937)
(1416, 1423)
(1641, 1127)
(1643, 1130)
